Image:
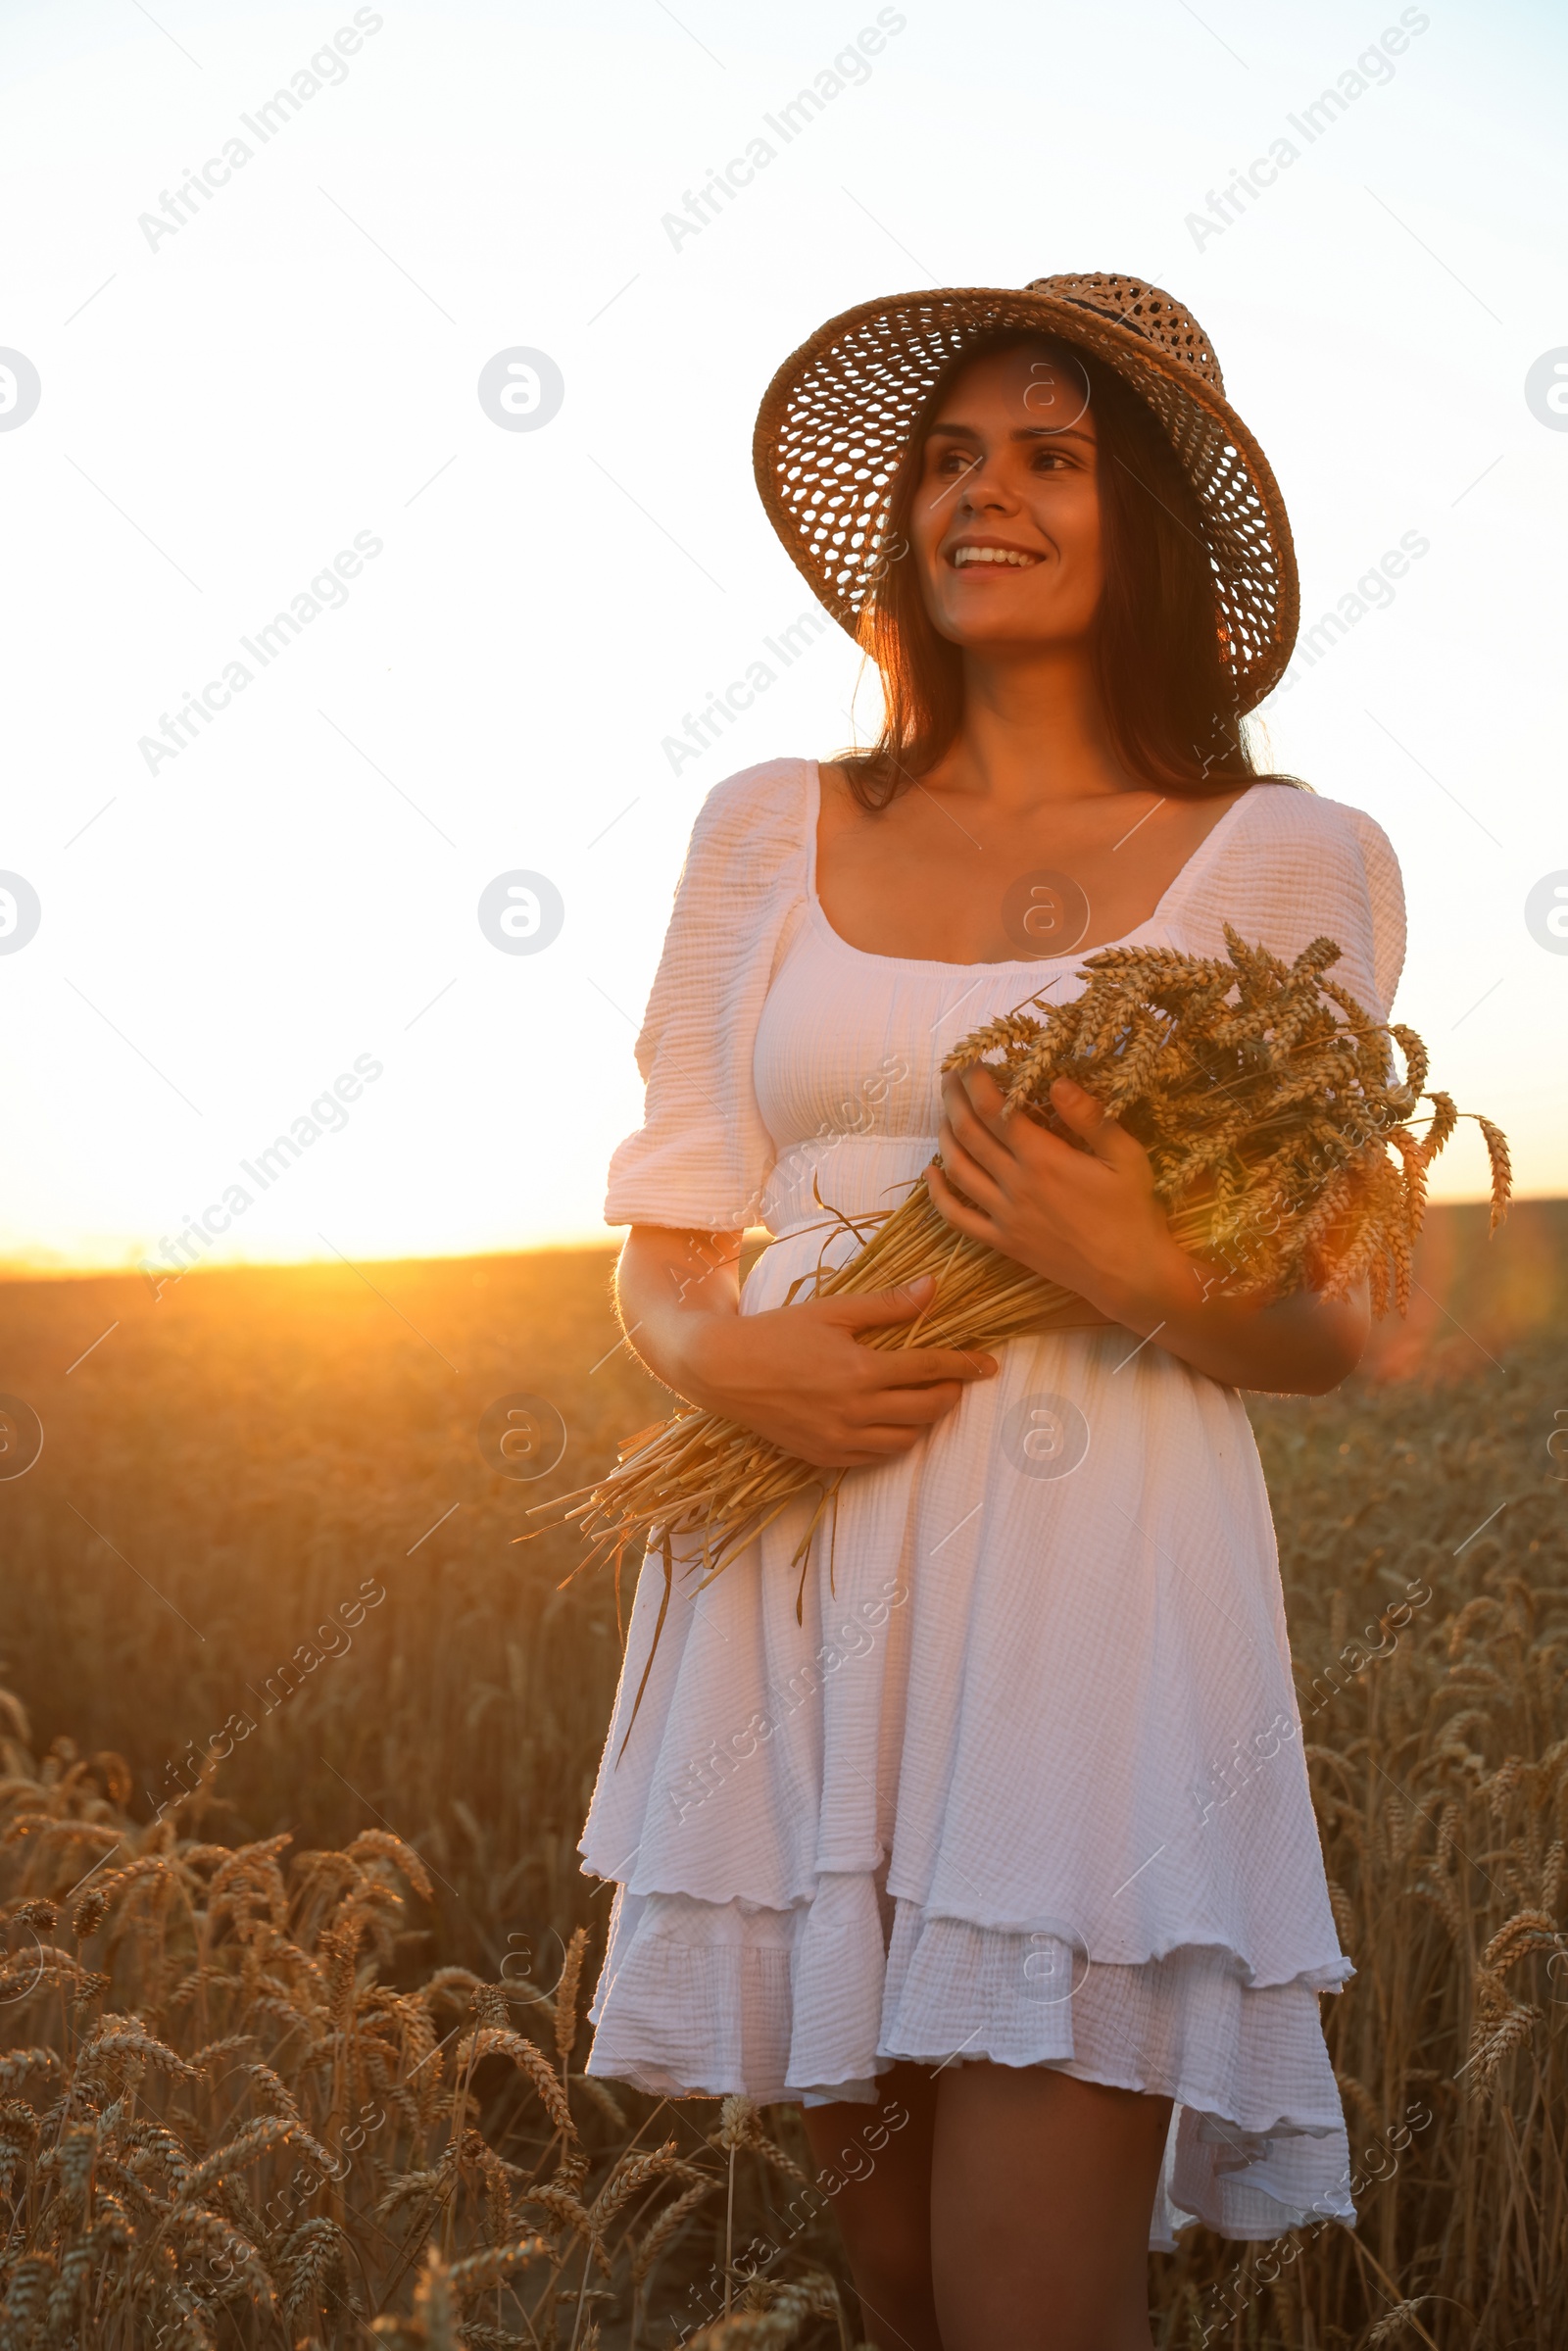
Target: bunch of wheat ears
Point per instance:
(1268, 1101)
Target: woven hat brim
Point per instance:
(837, 416)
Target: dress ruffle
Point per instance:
(812, 2003)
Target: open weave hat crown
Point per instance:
(838, 414)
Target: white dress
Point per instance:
(1028, 1782)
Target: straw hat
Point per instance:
(836, 418)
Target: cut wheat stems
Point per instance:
(1279, 1132)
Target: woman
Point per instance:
(1011, 1837)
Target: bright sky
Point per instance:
(290, 375)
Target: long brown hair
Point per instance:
(1158, 648)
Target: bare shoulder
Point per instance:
(839, 804)
(1204, 813)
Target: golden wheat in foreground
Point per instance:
(1423, 1520)
(1268, 1101)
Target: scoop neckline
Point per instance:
(866, 955)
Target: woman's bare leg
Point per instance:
(884, 2206)
(1042, 2190)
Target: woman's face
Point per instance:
(1005, 524)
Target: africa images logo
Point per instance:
(520, 389)
(19, 389)
(1546, 913)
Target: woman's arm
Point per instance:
(796, 1374)
(1091, 1219)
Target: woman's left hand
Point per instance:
(1089, 1219)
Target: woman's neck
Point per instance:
(1032, 731)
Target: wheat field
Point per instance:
(297, 1746)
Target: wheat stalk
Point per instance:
(1268, 1101)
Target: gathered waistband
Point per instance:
(861, 1185)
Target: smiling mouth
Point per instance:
(1015, 558)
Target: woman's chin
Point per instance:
(1011, 633)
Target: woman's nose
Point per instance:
(984, 487)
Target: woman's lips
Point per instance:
(967, 556)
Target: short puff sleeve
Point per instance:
(1291, 867)
(701, 1156)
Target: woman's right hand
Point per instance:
(799, 1376)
